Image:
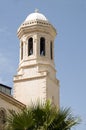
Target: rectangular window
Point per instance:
(30, 46)
(21, 51)
(42, 46)
(51, 51)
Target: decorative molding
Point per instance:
(11, 100)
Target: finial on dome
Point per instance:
(36, 10)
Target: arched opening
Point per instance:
(42, 46)
(51, 50)
(30, 46)
(2, 118)
(21, 50)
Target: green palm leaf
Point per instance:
(42, 117)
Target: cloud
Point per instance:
(1, 81)
(5, 64)
(5, 30)
(3, 61)
(6, 70)
(4, 81)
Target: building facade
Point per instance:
(7, 102)
(35, 80)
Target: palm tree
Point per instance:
(41, 117)
(20, 120)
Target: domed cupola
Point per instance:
(37, 36)
(35, 16)
(33, 19)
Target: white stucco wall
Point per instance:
(7, 105)
(53, 90)
(29, 91)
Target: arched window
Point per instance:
(51, 50)
(2, 117)
(21, 50)
(30, 46)
(42, 46)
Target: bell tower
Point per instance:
(36, 76)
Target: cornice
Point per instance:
(37, 25)
(35, 64)
(12, 101)
(18, 78)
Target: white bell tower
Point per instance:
(36, 75)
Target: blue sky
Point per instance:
(69, 18)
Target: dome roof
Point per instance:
(35, 16)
